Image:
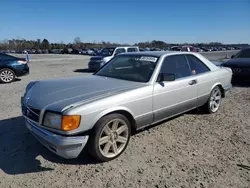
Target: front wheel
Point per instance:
(214, 101)
(109, 137)
(7, 75)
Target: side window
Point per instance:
(120, 50)
(176, 64)
(196, 65)
(132, 50)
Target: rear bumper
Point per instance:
(68, 147)
(227, 88)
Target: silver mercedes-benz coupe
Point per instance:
(130, 92)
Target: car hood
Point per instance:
(217, 63)
(238, 62)
(60, 94)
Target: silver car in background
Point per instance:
(130, 92)
(107, 54)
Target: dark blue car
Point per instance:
(240, 65)
(12, 67)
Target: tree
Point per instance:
(45, 44)
(39, 43)
(77, 42)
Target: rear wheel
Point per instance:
(109, 137)
(214, 101)
(7, 75)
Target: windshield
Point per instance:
(243, 54)
(107, 51)
(135, 68)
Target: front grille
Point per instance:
(241, 70)
(246, 69)
(236, 70)
(31, 113)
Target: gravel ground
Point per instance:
(191, 150)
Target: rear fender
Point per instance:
(220, 86)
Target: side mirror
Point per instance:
(232, 56)
(166, 77)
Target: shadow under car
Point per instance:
(19, 150)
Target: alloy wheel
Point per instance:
(113, 138)
(215, 100)
(7, 76)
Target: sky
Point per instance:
(130, 21)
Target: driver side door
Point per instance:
(178, 96)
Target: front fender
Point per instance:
(108, 111)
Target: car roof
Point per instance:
(157, 53)
(123, 47)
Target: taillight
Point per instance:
(22, 62)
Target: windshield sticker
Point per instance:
(148, 58)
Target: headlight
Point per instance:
(30, 85)
(65, 123)
(52, 120)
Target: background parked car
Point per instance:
(240, 64)
(56, 51)
(175, 48)
(188, 49)
(12, 67)
(90, 52)
(106, 54)
(76, 51)
(204, 49)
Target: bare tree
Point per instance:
(77, 42)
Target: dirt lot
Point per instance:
(192, 150)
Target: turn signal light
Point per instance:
(70, 122)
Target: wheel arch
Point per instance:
(8, 67)
(119, 110)
(221, 88)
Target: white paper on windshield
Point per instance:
(148, 58)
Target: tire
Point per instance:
(214, 102)
(109, 137)
(7, 75)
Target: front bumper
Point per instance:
(22, 72)
(241, 77)
(241, 73)
(93, 66)
(68, 147)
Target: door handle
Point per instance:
(192, 82)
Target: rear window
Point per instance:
(197, 67)
(132, 50)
